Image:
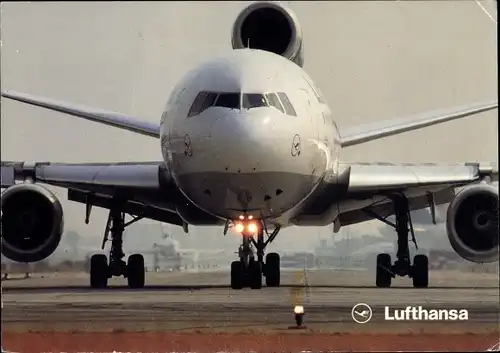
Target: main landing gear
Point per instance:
(419, 270)
(101, 270)
(248, 270)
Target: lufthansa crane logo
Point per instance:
(295, 150)
(188, 150)
(361, 313)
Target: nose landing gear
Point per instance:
(248, 270)
(419, 270)
(101, 270)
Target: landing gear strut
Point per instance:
(248, 270)
(419, 271)
(101, 270)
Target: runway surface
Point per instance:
(204, 301)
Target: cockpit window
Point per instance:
(287, 104)
(205, 100)
(228, 100)
(274, 101)
(254, 100)
(197, 104)
(209, 101)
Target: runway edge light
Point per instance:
(299, 315)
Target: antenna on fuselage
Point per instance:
(248, 43)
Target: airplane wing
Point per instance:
(349, 137)
(364, 133)
(136, 184)
(365, 189)
(425, 185)
(119, 120)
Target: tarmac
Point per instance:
(203, 301)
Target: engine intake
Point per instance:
(271, 27)
(32, 223)
(472, 223)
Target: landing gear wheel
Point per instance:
(420, 271)
(255, 275)
(383, 276)
(99, 271)
(135, 271)
(248, 271)
(236, 275)
(272, 270)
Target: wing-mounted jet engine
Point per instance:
(271, 27)
(32, 222)
(472, 223)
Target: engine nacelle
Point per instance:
(472, 223)
(271, 27)
(32, 222)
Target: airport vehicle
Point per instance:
(249, 143)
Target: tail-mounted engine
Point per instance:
(472, 223)
(271, 27)
(32, 222)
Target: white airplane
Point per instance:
(249, 142)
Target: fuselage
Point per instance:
(248, 133)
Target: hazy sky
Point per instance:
(372, 60)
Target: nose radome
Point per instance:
(247, 140)
(255, 124)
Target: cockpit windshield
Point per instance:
(274, 101)
(254, 100)
(279, 101)
(287, 104)
(205, 100)
(228, 100)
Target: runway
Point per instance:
(203, 301)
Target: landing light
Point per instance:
(239, 227)
(252, 228)
(242, 217)
(246, 228)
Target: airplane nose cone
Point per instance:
(250, 158)
(246, 162)
(249, 141)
